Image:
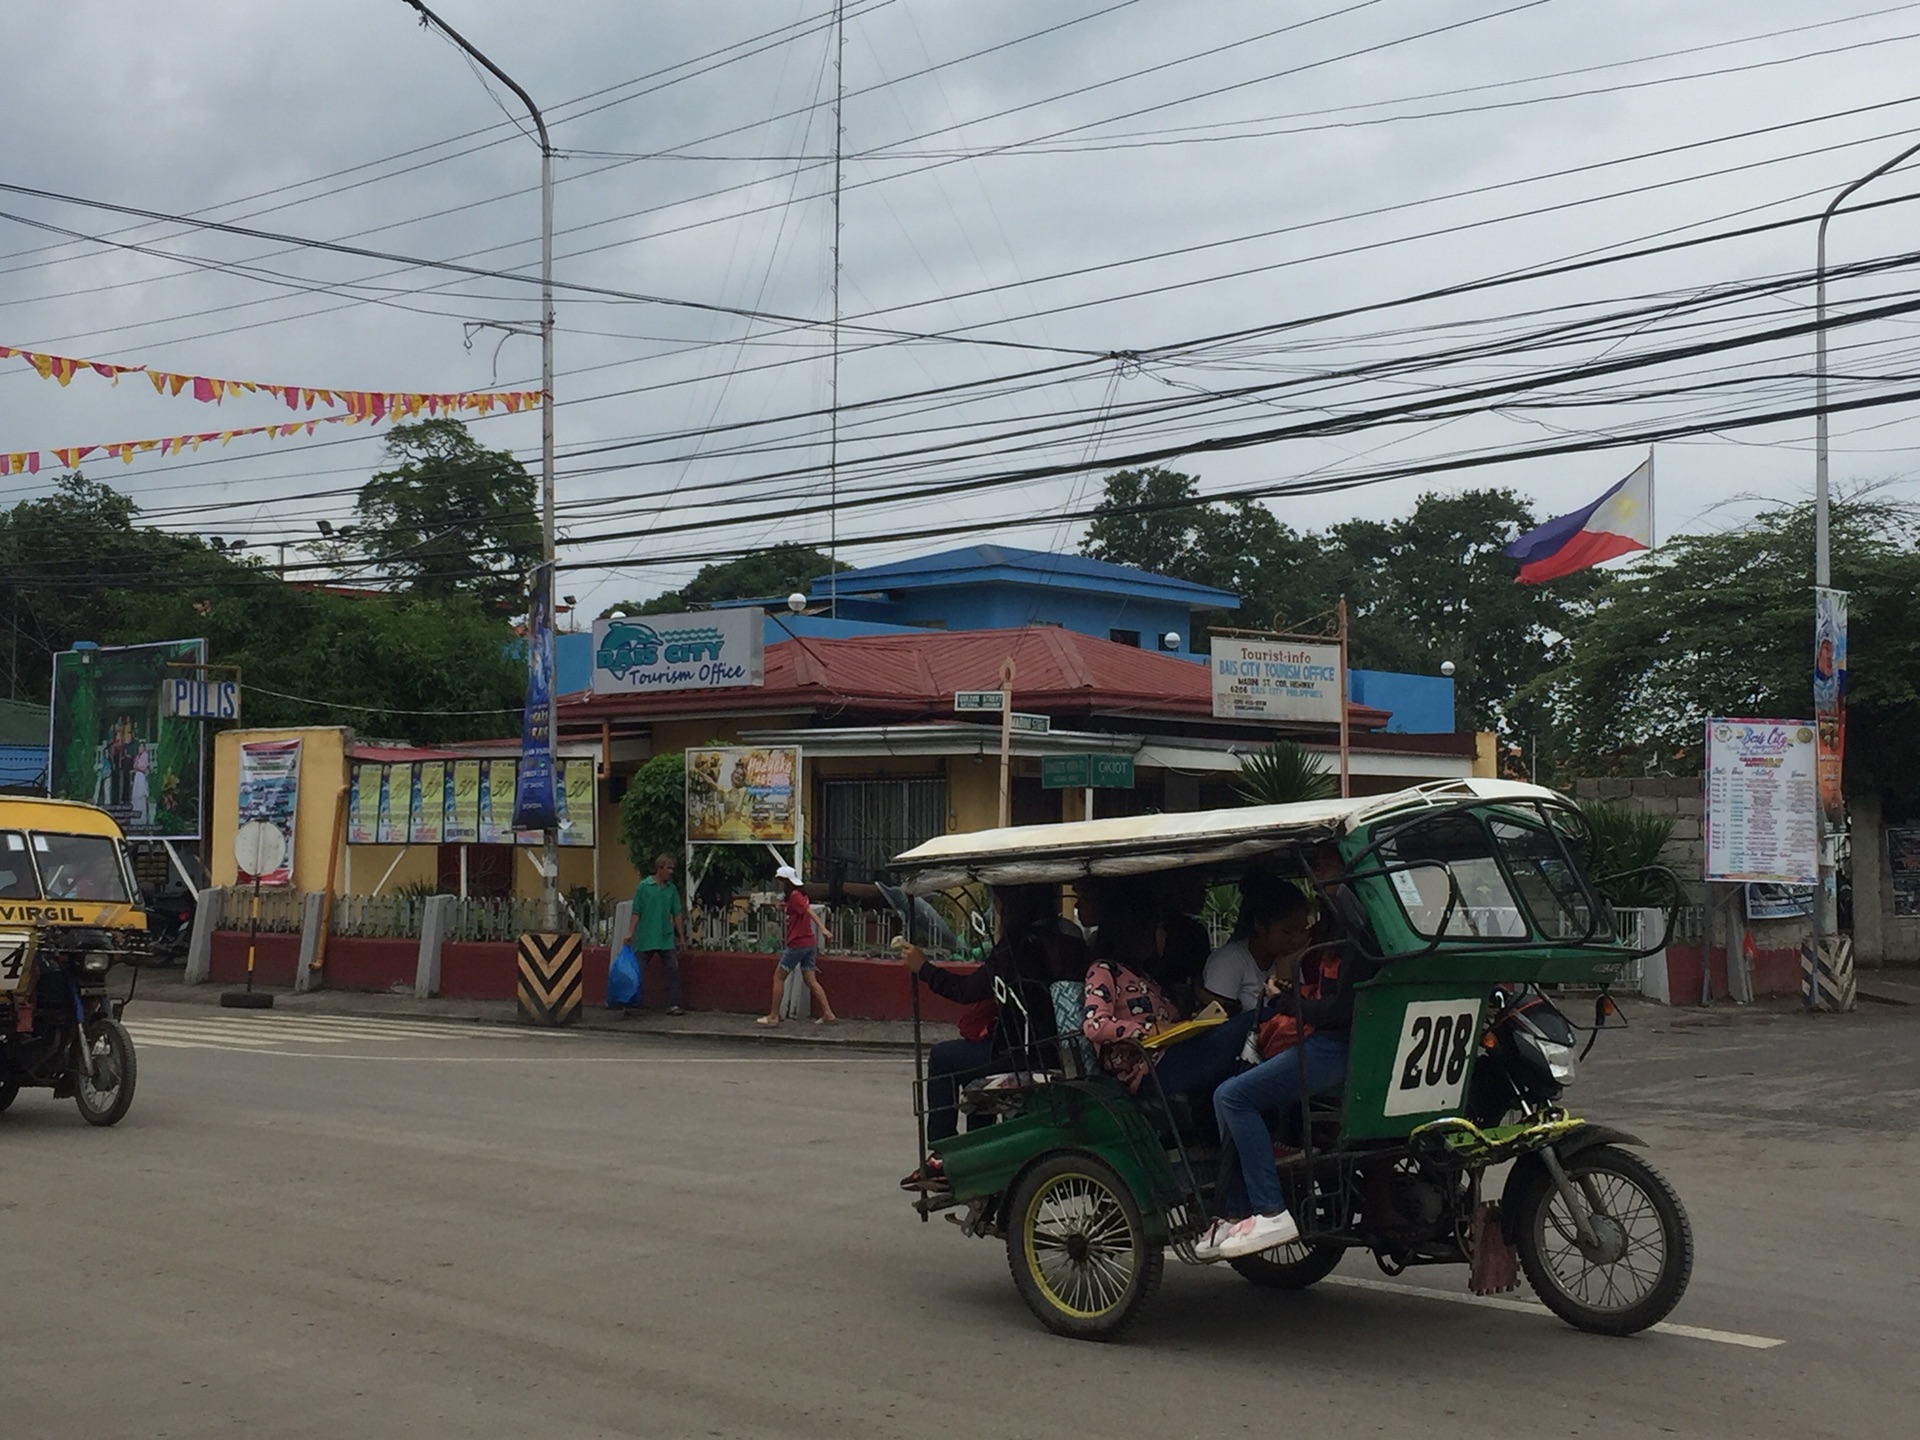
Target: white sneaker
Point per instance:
(1258, 1232)
(1207, 1248)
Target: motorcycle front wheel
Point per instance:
(1636, 1266)
(103, 1091)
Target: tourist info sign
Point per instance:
(1275, 680)
(1762, 817)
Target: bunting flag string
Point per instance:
(27, 462)
(361, 404)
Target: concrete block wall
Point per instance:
(1671, 797)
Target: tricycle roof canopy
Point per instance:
(1140, 844)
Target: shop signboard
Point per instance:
(1762, 811)
(1086, 772)
(709, 650)
(1277, 680)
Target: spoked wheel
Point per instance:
(1638, 1263)
(1289, 1267)
(1078, 1249)
(103, 1090)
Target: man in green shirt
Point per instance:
(658, 928)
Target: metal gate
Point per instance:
(865, 823)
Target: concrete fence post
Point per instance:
(312, 913)
(207, 907)
(617, 930)
(436, 921)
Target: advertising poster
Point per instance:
(707, 650)
(535, 806)
(1779, 902)
(576, 801)
(391, 827)
(363, 804)
(269, 791)
(1762, 818)
(429, 822)
(496, 802)
(742, 793)
(113, 748)
(1283, 680)
(1830, 699)
(463, 806)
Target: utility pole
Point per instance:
(544, 581)
(833, 396)
(1826, 902)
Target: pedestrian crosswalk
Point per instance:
(265, 1031)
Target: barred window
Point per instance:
(865, 823)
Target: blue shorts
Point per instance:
(801, 955)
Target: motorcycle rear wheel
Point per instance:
(107, 1100)
(1640, 1269)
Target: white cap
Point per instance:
(788, 874)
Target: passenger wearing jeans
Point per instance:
(1255, 1218)
(805, 936)
(657, 928)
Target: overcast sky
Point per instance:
(1029, 189)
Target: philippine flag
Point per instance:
(1618, 523)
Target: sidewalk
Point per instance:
(164, 987)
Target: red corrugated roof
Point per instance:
(899, 677)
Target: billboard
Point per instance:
(743, 793)
(113, 748)
(1281, 680)
(1762, 819)
(711, 650)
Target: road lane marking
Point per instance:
(1530, 1307)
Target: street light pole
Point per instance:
(1826, 905)
(550, 839)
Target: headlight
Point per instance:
(1560, 1059)
(96, 961)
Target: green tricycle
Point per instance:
(1471, 897)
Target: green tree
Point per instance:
(777, 571)
(451, 517)
(64, 559)
(1722, 624)
(1430, 587)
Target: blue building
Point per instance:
(1003, 587)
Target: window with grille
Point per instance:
(865, 823)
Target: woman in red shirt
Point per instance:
(805, 936)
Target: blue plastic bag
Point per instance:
(623, 979)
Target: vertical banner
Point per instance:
(363, 804)
(496, 802)
(463, 805)
(534, 805)
(270, 791)
(1830, 699)
(390, 827)
(576, 800)
(429, 823)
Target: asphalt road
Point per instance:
(349, 1227)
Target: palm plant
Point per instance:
(1625, 839)
(1283, 773)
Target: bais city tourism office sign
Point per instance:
(1280, 680)
(711, 650)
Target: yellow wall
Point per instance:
(1486, 755)
(323, 777)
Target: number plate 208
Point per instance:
(1437, 1039)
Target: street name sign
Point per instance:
(1031, 724)
(1086, 772)
(965, 700)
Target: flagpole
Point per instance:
(1653, 523)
